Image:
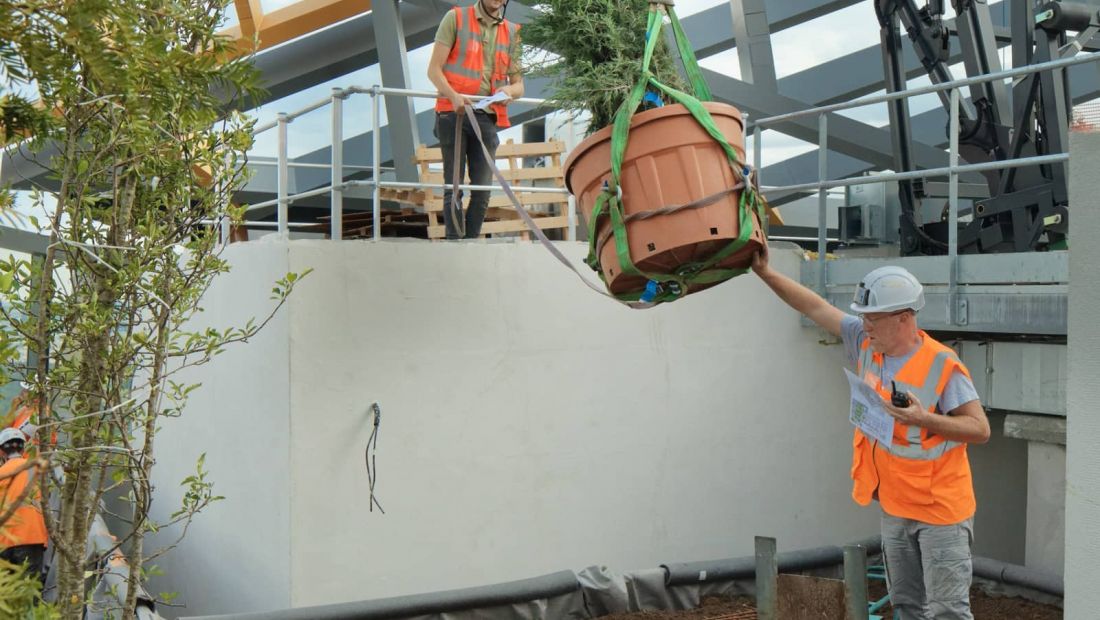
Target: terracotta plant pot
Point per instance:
(670, 160)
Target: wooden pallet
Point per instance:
(548, 209)
(360, 225)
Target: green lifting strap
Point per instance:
(671, 286)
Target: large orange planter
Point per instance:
(670, 160)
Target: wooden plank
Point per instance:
(512, 175)
(435, 204)
(504, 151)
(560, 221)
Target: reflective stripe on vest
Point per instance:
(919, 476)
(917, 445)
(466, 62)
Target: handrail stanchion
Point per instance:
(376, 154)
(757, 163)
(336, 218)
(284, 206)
(954, 317)
(822, 199)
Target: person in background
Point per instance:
(477, 52)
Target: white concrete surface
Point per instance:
(236, 556)
(1082, 387)
(1046, 507)
(529, 425)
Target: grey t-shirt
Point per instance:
(959, 390)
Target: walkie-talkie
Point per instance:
(897, 398)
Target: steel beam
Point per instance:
(394, 64)
(851, 137)
(754, 42)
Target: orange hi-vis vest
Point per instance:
(26, 525)
(466, 62)
(920, 475)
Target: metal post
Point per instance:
(376, 154)
(757, 159)
(855, 581)
(571, 206)
(336, 219)
(224, 230)
(953, 315)
(822, 199)
(767, 577)
(283, 210)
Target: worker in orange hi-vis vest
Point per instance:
(918, 409)
(477, 52)
(23, 536)
(24, 416)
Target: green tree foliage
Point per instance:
(597, 48)
(143, 152)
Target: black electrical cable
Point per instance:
(370, 456)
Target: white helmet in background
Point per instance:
(11, 434)
(888, 289)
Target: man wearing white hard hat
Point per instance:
(23, 536)
(921, 477)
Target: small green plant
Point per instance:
(595, 58)
(20, 595)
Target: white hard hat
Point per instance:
(11, 434)
(888, 289)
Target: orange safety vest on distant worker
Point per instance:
(466, 62)
(26, 525)
(23, 413)
(920, 475)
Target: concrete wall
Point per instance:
(529, 425)
(1000, 470)
(1046, 507)
(236, 556)
(1082, 387)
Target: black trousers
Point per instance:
(471, 158)
(31, 555)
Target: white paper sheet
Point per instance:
(497, 97)
(867, 412)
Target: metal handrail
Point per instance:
(952, 170)
(336, 188)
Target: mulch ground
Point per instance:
(984, 606)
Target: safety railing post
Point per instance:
(954, 316)
(376, 154)
(224, 231)
(283, 209)
(571, 206)
(757, 159)
(336, 217)
(822, 199)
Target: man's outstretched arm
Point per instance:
(797, 296)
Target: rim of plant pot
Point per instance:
(638, 120)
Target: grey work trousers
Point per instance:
(928, 568)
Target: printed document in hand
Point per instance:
(497, 97)
(867, 411)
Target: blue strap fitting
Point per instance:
(651, 289)
(746, 170)
(652, 97)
